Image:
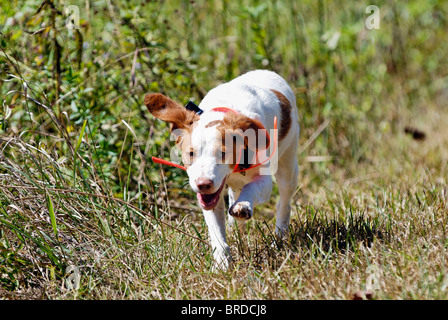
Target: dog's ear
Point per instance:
(168, 110)
(252, 131)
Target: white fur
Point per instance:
(251, 95)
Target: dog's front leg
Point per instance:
(256, 192)
(216, 223)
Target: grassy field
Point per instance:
(84, 213)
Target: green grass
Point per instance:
(80, 198)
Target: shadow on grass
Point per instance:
(336, 234)
(317, 235)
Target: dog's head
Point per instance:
(212, 145)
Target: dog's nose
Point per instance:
(204, 185)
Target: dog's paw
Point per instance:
(282, 231)
(241, 210)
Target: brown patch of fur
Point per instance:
(168, 110)
(235, 125)
(233, 121)
(185, 146)
(285, 121)
(213, 123)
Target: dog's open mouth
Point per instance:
(209, 201)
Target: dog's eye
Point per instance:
(191, 154)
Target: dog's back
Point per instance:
(272, 82)
(256, 94)
(267, 80)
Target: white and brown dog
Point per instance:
(218, 153)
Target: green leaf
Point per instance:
(52, 215)
(81, 134)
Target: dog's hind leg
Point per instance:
(287, 179)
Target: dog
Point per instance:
(218, 153)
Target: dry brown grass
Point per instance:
(387, 227)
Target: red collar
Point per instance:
(235, 170)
